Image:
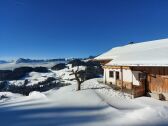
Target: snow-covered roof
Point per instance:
(151, 53)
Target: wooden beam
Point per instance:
(116, 67)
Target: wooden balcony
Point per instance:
(129, 88)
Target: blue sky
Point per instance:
(77, 28)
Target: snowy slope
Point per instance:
(66, 74)
(95, 105)
(33, 78)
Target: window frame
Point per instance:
(111, 72)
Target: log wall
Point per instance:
(157, 78)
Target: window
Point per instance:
(142, 76)
(111, 73)
(117, 75)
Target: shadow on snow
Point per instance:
(57, 116)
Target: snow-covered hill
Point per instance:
(66, 74)
(95, 105)
(33, 78)
(36, 77)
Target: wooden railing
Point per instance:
(129, 88)
(124, 84)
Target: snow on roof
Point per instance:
(105, 56)
(151, 53)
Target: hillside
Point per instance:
(95, 105)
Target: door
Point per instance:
(157, 84)
(117, 75)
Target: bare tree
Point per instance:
(92, 70)
(79, 76)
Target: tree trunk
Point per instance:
(79, 87)
(78, 81)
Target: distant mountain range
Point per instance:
(22, 60)
(3, 61)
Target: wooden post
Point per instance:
(121, 78)
(132, 92)
(104, 77)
